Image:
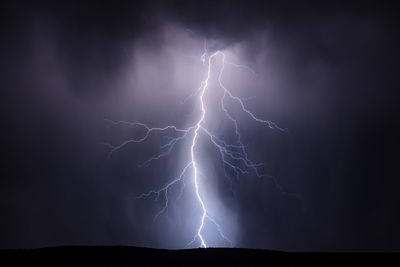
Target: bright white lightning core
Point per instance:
(233, 156)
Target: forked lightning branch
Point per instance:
(233, 155)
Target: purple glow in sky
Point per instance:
(76, 76)
(231, 151)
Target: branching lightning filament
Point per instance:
(234, 156)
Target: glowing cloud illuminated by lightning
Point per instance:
(233, 155)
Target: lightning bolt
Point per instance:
(233, 156)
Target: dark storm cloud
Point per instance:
(333, 70)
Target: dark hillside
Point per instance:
(134, 256)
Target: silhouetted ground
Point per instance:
(133, 256)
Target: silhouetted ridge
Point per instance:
(136, 256)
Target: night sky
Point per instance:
(327, 73)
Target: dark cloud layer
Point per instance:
(334, 73)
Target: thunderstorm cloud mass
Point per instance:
(185, 124)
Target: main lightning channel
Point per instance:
(233, 156)
(194, 164)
